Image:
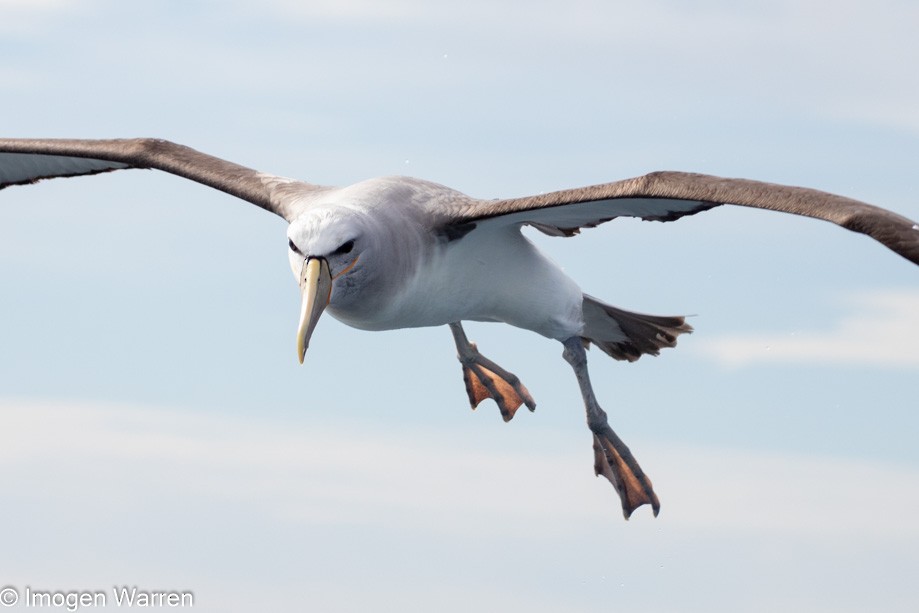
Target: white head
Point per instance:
(353, 248)
(325, 246)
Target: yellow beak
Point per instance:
(315, 292)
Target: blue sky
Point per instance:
(158, 431)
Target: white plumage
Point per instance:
(399, 252)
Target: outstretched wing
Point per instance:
(666, 196)
(24, 161)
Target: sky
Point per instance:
(158, 432)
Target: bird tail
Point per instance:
(625, 335)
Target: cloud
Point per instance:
(20, 17)
(883, 332)
(792, 47)
(423, 481)
(34, 6)
(811, 496)
(365, 11)
(268, 509)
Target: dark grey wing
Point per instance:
(666, 196)
(24, 161)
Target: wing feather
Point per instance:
(667, 196)
(24, 161)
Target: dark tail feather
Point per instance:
(625, 335)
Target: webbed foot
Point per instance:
(485, 379)
(613, 460)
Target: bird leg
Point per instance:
(485, 379)
(612, 458)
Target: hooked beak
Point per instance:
(315, 292)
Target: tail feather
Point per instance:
(625, 335)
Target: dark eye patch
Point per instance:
(344, 248)
(294, 247)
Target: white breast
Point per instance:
(491, 274)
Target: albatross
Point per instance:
(399, 252)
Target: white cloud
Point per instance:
(253, 511)
(322, 475)
(814, 497)
(883, 332)
(828, 59)
(20, 17)
(34, 6)
(313, 474)
(348, 10)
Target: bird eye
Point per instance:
(344, 248)
(293, 247)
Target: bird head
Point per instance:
(353, 249)
(324, 249)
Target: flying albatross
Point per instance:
(399, 252)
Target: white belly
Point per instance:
(488, 275)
